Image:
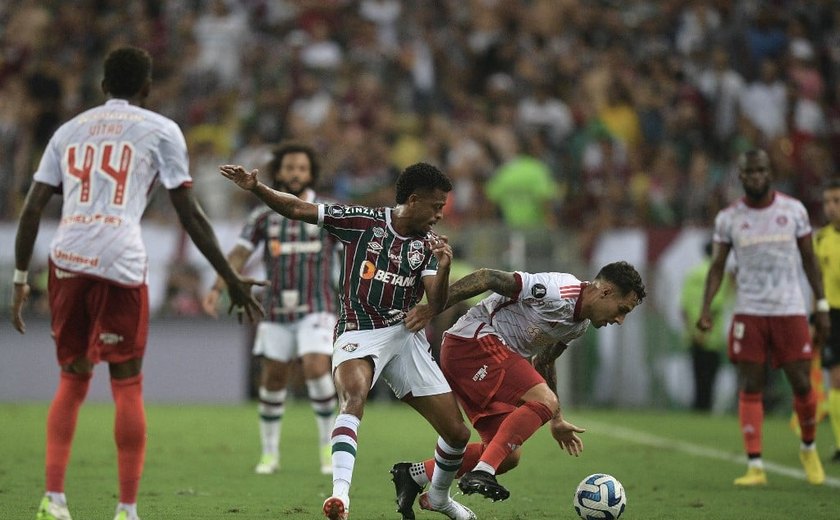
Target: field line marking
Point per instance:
(648, 439)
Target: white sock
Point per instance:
(447, 463)
(755, 463)
(483, 466)
(271, 408)
(344, 446)
(324, 401)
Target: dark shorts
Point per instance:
(96, 319)
(779, 339)
(830, 352)
(487, 378)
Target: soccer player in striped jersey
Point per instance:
(770, 235)
(827, 249)
(300, 303)
(391, 258)
(105, 163)
(499, 359)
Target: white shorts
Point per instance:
(311, 334)
(401, 357)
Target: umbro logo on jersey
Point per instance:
(110, 338)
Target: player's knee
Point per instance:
(457, 435)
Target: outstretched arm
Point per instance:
(482, 280)
(283, 203)
(30, 220)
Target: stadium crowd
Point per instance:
(602, 113)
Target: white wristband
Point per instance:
(20, 277)
(822, 305)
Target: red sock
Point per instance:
(130, 434)
(514, 430)
(806, 411)
(751, 415)
(61, 425)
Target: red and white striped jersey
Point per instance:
(768, 264)
(106, 161)
(545, 311)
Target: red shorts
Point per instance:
(784, 338)
(96, 319)
(487, 378)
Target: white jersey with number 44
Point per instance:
(106, 161)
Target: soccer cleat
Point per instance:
(484, 484)
(813, 467)
(49, 510)
(122, 514)
(334, 509)
(326, 459)
(269, 463)
(836, 457)
(407, 489)
(753, 477)
(453, 510)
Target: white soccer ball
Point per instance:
(600, 496)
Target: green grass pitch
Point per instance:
(200, 460)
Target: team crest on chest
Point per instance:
(415, 254)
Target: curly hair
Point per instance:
(127, 70)
(624, 276)
(288, 147)
(421, 176)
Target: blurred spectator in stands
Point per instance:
(765, 102)
(221, 34)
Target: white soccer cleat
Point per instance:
(452, 509)
(49, 510)
(269, 463)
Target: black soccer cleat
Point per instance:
(484, 484)
(836, 457)
(407, 489)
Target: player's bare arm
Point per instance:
(237, 257)
(30, 220)
(283, 203)
(713, 280)
(197, 226)
(482, 280)
(436, 288)
(544, 360)
(812, 271)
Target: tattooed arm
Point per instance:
(482, 280)
(544, 363)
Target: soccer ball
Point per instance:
(599, 496)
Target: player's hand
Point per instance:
(242, 301)
(20, 293)
(566, 435)
(247, 180)
(441, 249)
(209, 302)
(704, 322)
(822, 327)
(418, 317)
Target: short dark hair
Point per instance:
(287, 147)
(127, 71)
(421, 176)
(624, 276)
(831, 184)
